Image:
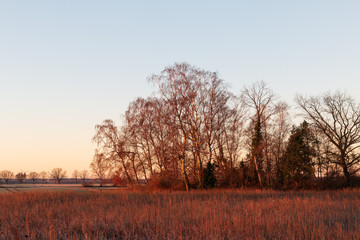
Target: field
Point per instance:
(220, 214)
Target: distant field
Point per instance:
(16, 188)
(220, 214)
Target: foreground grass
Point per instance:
(195, 215)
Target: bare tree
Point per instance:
(75, 175)
(6, 175)
(99, 166)
(138, 128)
(58, 174)
(21, 176)
(224, 136)
(324, 156)
(279, 131)
(111, 143)
(83, 175)
(43, 176)
(337, 116)
(260, 98)
(33, 176)
(147, 137)
(144, 134)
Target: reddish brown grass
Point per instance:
(196, 215)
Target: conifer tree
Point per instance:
(297, 162)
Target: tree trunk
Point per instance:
(125, 169)
(183, 172)
(200, 168)
(347, 175)
(258, 172)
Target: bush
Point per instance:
(87, 184)
(208, 179)
(233, 178)
(165, 181)
(119, 181)
(336, 182)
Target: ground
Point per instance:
(74, 212)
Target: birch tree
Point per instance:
(99, 166)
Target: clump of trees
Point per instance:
(195, 130)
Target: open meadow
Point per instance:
(218, 214)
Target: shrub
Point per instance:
(233, 178)
(119, 181)
(208, 179)
(165, 181)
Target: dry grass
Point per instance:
(196, 215)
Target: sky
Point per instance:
(66, 66)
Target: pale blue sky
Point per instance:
(67, 65)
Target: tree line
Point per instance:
(56, 174)
(195, 133)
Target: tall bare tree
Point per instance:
(140, 130)
(176, 86)
(337, 116)
(279, 131)
(225, 138)
(112, 144)
(260, 98)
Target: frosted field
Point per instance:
(39, 187)
(15, 188)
